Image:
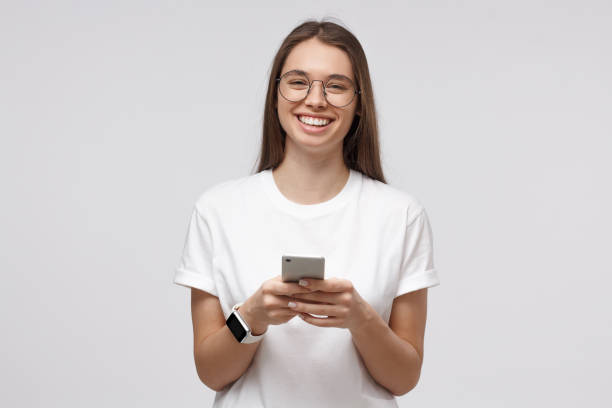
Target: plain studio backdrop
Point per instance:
(115, 116)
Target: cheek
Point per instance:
(284, 117)
(347, 122)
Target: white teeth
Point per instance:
(313, 121)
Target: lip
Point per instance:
(313, 129)
(314, 116)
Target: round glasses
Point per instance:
(339, 90)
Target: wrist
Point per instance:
(256, 328)
(369, 318)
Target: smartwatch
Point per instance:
(239, 328)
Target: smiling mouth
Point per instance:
(313, 129)
(315, 125)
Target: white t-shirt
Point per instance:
(370, 233)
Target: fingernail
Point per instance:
(291, 304)
(303, 282)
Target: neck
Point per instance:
(310, 183)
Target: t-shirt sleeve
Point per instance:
(196, 264)
(417, 269)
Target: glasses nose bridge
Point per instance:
(322, 86)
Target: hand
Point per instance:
(269, 304)
(337, 299)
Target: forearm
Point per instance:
(391, 361)
(220, 359)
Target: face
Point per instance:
(318, 60)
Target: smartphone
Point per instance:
(296, 267)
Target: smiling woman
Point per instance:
(319, 190)
(304, 104)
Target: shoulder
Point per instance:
(223, 194)
(391, 200)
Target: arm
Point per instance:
(219, 358)
(393, 354)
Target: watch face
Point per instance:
(236, 327)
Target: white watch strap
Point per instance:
(249, 338)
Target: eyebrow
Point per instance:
(332, 76)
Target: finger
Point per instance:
(282, 302)
(329, 284)
(309, 302)
(318, 296)
(286, 288)
(321, 321)
(317, 308)
(284, 313)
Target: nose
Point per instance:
(316, 98)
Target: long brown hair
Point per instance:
(361, 148)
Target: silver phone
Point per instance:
(296, 267)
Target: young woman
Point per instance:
(319, 190)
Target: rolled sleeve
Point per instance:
(195, 269)
(417, 269)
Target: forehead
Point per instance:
(318, 60)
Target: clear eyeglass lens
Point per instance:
(294, 87)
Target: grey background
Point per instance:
(115, 116)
